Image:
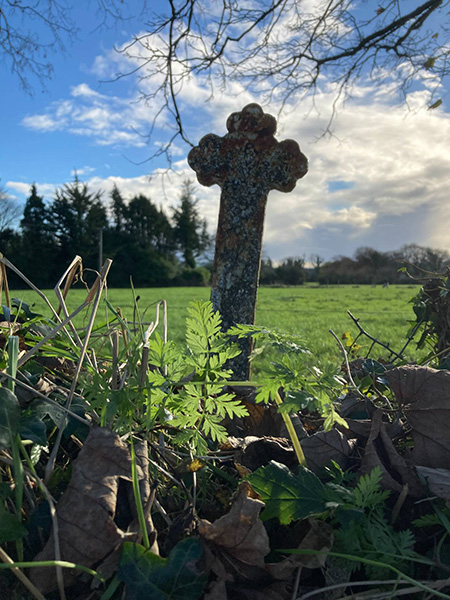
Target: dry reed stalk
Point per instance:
(4, 557)
(4, 283)
(115, 359)
(50, 335)
(4, 262)
(99, 286)
(148, 333)
(68, 276)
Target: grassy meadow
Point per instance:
(308, 311)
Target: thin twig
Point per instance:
(297, 582)
(162, 512)
(347, 366)
(374, 340)
(400, 501)
(21, 576)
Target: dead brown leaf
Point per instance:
(424, 395)
(257, 452)
(274, 591)
(324, 446)
(381, 452)
(86, 511)
(437, 480)
(240, 531)
(217, 590)
(319, 537)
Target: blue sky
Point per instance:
(381, 180)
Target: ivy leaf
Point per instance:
(11, 529)
(147, 575)
(288, 496)
(9, 417)
(373, 367)
(33, 428)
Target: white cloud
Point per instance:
(41, 123)
(86, 170)
(107, 120)
(84, 90)
(47, 190)
(396, 159)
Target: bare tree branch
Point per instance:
(9, 211)
(284, 47)
(31, 31)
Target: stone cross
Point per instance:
(246, 163)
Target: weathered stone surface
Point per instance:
(246, 163)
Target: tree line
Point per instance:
(145, 244)
(367, 266)
(154, 249)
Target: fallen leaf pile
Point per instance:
(234, 556)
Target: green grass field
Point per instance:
(306, 311)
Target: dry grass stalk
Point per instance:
(4, 557)
(68, 276)
(4, 262)
(99, 285)
(4, 283)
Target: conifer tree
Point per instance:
(78, 217)
(190, 231)
(38, 242)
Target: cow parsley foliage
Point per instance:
(198, 405)
(304, 387)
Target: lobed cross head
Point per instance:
(246, 163)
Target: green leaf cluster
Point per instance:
(357, 514)
(147, 575)
(305, 387)
(201, 405)
(181, 389)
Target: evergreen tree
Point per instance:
(141, 240)
(291, 271)
(190, 231)
(118, 209)
(78, 216)
(38, 243)
(148, 226)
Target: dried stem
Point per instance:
(347, 365)
(21, 576)
(52, 458)
(374, 340)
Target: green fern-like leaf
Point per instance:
(367, 493)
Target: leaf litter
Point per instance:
(257, 505)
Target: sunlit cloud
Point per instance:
(108, 120)
(393, 159)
